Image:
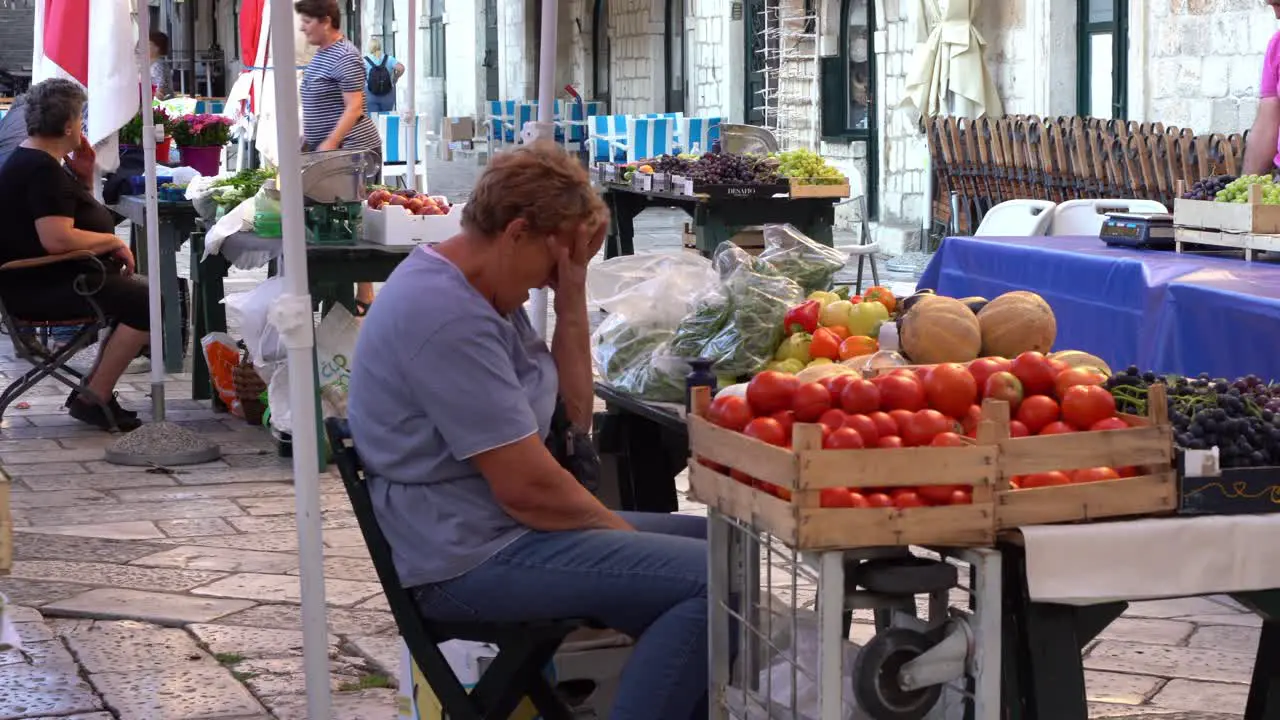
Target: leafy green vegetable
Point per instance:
(229, 192)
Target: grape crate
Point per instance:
(1242, 215)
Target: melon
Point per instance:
(940, 329)
(1015, 323)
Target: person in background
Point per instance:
(161, 78)
(54, 224)
(384, 72)
(1262, 153)
(333, 111)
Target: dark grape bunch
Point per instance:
(1207, 188)
(727, 169)
(1241, 417)
(671, 165)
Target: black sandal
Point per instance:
(362, 308)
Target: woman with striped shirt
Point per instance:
(333, 111)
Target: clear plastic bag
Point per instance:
(657, 288)
(621, 345)
(812, 265)
(758, 300)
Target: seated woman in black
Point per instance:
(48, 210)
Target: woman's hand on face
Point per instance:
(573, 253)
(81, 161)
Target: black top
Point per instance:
(34, 185)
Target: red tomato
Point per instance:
(924, 426)
(948, 439)
(832, 419)
(899, 418)
(1084, 405)
(1128, 471)
(1037, 411)
(1017, 429)
(787, 420)
(902, 392)
(969, 423)
(835, 498)
(843, 439)
(835, 384)
(885, 424)
(1045, 479)
(771, 391)
(1087, 475)
(889, 441)
(864, 426)
(810, 401)
(907, 498)
(1111, 423)
(950, 389)
(859, 500)
(1004, 385)
(766, 430)
(961, 496)
(1057, 427)
(1034, 371)
(879, 500)
(730, 411)
(983, 368)
(860, 396)
(825, 344)
(1077, 376)
(936, 494)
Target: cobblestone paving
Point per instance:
(152, 595)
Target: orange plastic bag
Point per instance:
(222, 356)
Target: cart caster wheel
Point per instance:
(875, 677)
(906, 576)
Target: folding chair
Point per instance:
(524, 649)
(608, 135)
(394, 131)
(865, 250)
(649, 137)
(1085, 218)
(698, 133)
(1017, 218)
(33, 342)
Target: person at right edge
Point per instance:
(1262, 153)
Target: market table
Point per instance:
(643, 446)
(1065, 584)
(1159, 310)
(715, 220)
(177, 222)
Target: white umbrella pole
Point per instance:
(545, 127)
(292, 317)
(153, 219)
(410, 114)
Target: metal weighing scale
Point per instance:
(334, 186)
(1139, 230)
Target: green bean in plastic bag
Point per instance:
(812, 265)
(758, 300)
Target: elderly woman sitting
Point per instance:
(54, 224)
(451, 403)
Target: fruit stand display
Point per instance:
(1241, 213)
(407, 217)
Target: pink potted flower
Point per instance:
(200, 139)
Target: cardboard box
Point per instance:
(587, 673)
(393, 225)
(456, 133)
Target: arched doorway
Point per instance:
(601, 52)
(675, 52)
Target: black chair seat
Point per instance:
(524, 649)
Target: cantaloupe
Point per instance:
(940, 329)
(1017, 322)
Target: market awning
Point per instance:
(948, 75)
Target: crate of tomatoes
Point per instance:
(841, 464)
(1066, 454)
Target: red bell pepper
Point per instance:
(802, 318)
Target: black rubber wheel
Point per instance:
(906, 576)
(875, 677)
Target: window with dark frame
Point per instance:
(602, 51)
(848, 87)
(435, 40)
(1102, 52)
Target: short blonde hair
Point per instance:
(375, 46)
(540, 184)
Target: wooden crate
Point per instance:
(1251, 217)
(803, 472)
(1147, 444)
(1249, 243)
(6, 526)
(801, 190)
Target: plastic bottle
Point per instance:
(888, 337)
(266, 212)
(701, 376)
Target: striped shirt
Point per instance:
(335, 70)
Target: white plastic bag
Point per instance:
(659, 288)
(248, 311)
(9, 639)
(200, 193)
(238, 219)
(335, 356)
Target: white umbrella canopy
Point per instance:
(948, 73)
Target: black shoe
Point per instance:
(96, 416)
(114, 404)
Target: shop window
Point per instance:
(1102, 50)
(675, 42)
(601, 51)
(848, 86)
(435, 40)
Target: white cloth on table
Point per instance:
(1100, 562)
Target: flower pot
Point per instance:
(205, 160)
(163, 148)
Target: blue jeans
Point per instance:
(650, 584)
(379, 103)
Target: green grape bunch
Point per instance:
(808, 168)
(1237, 191)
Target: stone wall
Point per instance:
(16, 22)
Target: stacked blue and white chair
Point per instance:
(608, 137)
(394, 132)
(697, 134)
(574, 122)
(649, 137)
(501, 123)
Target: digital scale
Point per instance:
(1140, 230)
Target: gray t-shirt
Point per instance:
(441, 377)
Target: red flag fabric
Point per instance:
(250, 29)
(66, 36)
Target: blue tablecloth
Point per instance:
(1171, 313)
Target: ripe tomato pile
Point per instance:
(937, 406)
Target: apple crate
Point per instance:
(1147, 444)
(394, 225)
(1250, 218)
(800, 475)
